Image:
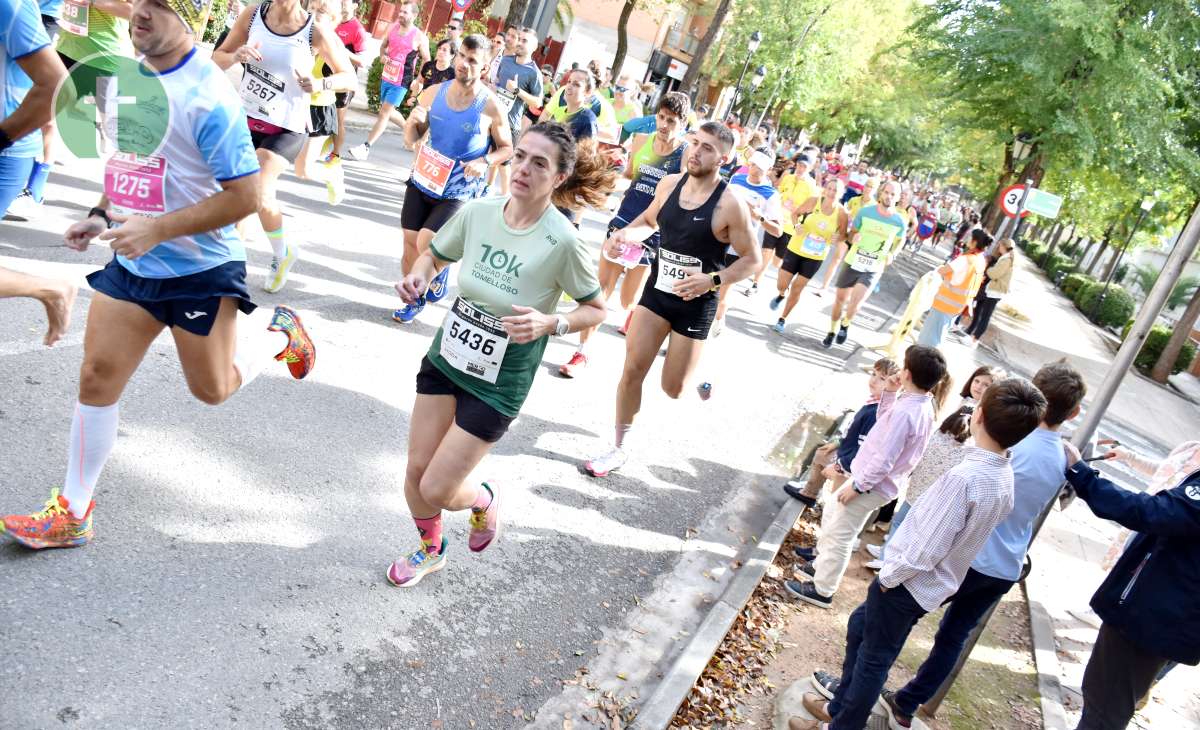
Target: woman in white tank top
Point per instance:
(276, 42)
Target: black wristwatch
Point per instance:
(101, 213)
(716, 277)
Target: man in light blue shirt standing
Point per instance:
(1038, 464)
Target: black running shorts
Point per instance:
(324, 121)
(691, 319)
(798, 265)
(848, 278)
(470, 413)
(285, 144)
(187, 302)
(778, 244)
(421, 211)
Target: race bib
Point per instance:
(393, 71)
(262, 95)
(473, 341)
(506, 99)
(875, 237)
(431, 170)
(136, 184)
(810, 246)
(629, 256)
(674, 268)
(75, 17)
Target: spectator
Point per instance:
(1150, 602)
(961, 279)
(999, 279)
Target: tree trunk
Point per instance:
(710, 35)
(1183, 330)
(516, 12)
(622, 37)
(1054, 244)
(1033, 170)
(1103, 247)
(1087, 254)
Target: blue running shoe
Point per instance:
(410, 311)
(775, 302)
(437, 287)
(778, 327)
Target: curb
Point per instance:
(1045, 656)
(679, 678)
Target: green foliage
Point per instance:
(1035, 251)
(1116, 308)
(216, 24)
(1156, 342)
(1057, 263)
(1073, 283)
(1183, 292)
(1120, 274)
(374, 80)
(1145, 276)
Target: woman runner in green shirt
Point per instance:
(519, 254)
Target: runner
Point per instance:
(402, 38)
(795, 188)
(323, 112)
(606, 117)
(353, 36)
(656, 156)
(440, 69)
(518, 84)
(578, 116)
(178, 263)
(820, 225)
(873, 234)
(483, 360)
(464, 120)
(754, 189)
(276, 42)
(855, 204)
(699, 218)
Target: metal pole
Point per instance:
(1113, 271)
(1020, 209)
(737, 89)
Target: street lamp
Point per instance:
(752, 45)
(1144, 208)
(1022, 146)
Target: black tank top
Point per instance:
(687, 240)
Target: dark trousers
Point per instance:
(984, 307)
(875, 635)
(1118, 674)
(975, 596)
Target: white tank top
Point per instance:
(269, 90)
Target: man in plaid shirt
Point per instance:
(930, 554)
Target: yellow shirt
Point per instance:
(793, 192)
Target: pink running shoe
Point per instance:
(485, 523)
(408, 571)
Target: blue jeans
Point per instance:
(897, 517)
(875, 635)
(14, 176)
(974, 598)
(934, 329)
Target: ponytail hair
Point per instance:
(941, 391)
(590, 176)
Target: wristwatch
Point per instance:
(563, 326)
(716, 277)
(101, 213)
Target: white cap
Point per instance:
(761, 160)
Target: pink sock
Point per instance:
(430, 529)
(483, 498)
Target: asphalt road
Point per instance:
(237, 575)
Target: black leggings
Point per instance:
(984, 307)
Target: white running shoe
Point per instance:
(874, 550)
(875, 565)
(359, 153)
(23, 208)
(604, 465)
(280, 269)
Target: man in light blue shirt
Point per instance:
(1038, 464)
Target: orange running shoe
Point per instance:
(300, 353)
(53, 527)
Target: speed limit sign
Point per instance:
(1010, 200)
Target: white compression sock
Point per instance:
(278, 247)
(93, 434)
(622, 431)
(256, 346)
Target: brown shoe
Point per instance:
(801, 723)
(817, 706)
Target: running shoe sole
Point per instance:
(497, 502)
(587, 467)
(893, 722)
(820, 688)
(298, 364)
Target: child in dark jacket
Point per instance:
(832, 459)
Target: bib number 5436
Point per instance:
(474, 340)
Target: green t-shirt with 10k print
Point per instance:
(500, 267)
